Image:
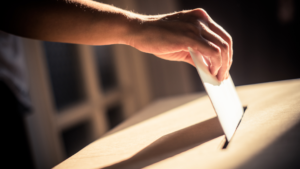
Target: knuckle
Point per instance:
(216, 51)
(225, 45)
(216, 57)
(201, 10)
(229, 38)
(193, 21)
(200, 13)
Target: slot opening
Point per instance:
(226, 141)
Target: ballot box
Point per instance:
(184, 132)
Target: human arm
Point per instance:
(86, 22)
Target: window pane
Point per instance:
(77, 137)
(105, 67)
(114, 115)
(65, 77)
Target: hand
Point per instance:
(169, 36)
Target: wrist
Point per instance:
(135, 26)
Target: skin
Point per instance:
(167, 36)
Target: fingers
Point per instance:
(195, 29)
(217, 35)
(210, 50)
(223, 45)
(221, 32)
(224, 35)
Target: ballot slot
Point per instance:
(225, 142)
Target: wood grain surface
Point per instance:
(184, 132)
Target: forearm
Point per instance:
(80, 21)
(86, 22)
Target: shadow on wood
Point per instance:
(173, 143)
(283, 153)
(156, 109)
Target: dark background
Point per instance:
(265, 36)
(265, 43)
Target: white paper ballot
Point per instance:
(222, 95)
